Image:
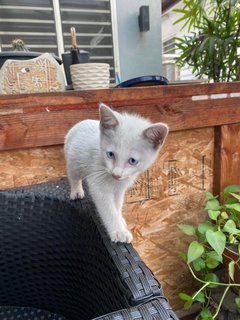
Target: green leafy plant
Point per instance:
(207, 252)
(212, 47)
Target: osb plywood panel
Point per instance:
(28, 166)
(171, 192)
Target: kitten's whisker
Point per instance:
(89, 165)
(95, 174)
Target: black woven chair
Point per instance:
(56, 262)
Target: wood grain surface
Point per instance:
(43, 119)
(227, 156)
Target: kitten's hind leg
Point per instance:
(77, 191)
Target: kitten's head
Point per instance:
(129, 143)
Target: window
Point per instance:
(170, 69)
(169, 46)
(44, 26)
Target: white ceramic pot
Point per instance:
(90, 76)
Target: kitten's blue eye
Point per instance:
(132, 162)
(110, 154)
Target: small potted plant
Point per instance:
(215, 247)
(21, 52)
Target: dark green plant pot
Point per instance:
(84, 57)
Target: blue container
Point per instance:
(143, 81)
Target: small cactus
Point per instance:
(19, 45)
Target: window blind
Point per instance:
(34, 23)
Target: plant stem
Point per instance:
(221, 302)
(205, 285)
(211, 282)
(228, 285)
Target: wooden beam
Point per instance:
(116, 97)
(227, 157)
(43, 119)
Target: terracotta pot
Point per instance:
(229, 255)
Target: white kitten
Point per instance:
(110, 154)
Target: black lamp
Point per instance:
(144, 19)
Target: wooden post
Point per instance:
(227, 156)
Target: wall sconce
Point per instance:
(144, 19)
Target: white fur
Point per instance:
(127, 136)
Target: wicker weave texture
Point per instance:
(52, 260)
(153, 310)
(56, 256)
(26, 313)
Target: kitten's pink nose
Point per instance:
(116, 176)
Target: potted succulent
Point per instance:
(214, 248)
(21, 52)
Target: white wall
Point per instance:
(139, 52)
(170, 30)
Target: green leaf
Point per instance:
(187, 298)
(213, 204)
(200, 297)
(230, 227)
(205, 226)
(235, 195)
(195, 250)
(187, 229)
(231, 189)
(231, 200)
(183, 256)
(206, 314)
(231, 269)
(215, 256)
(237, 301)
(184, 296)
(217, 240)
(198, 264)
(213, 279)
(213, 214)
(209, 195)
(233, 206)
(212, 263)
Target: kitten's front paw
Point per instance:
(79, 194)
(123, 235)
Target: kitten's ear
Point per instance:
(156, 134)
(108, 119)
